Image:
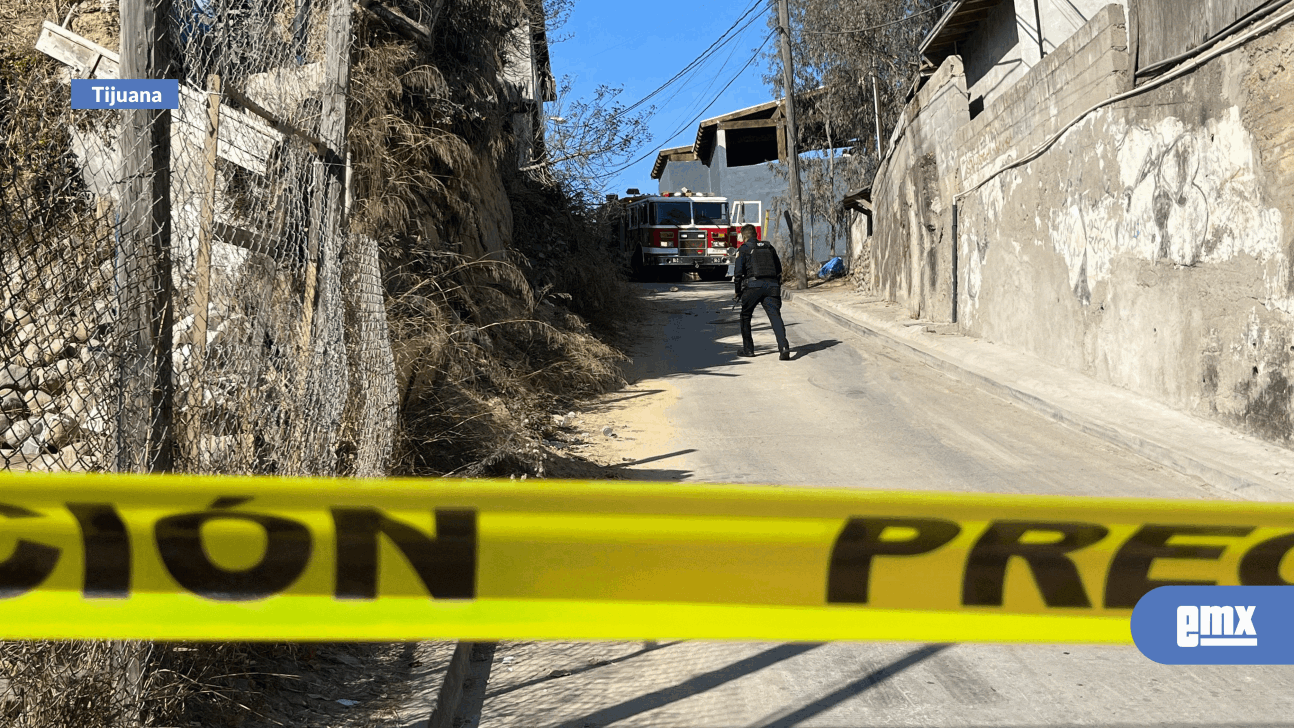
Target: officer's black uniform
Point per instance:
(757, 276)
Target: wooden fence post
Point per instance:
(327, 209)
(329, 177)
(146, 315)
(202, 274)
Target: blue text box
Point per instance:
(125, 93)
(1216, 625)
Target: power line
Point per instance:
(723, 39)
(881, 25)
(714, 77)
(701, 113)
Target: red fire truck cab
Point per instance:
(676, 232)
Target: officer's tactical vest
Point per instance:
(763, 261)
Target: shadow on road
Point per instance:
(652, 476)
(648, 647)
(605, 404)
(693, 332)
(686, 689)
(807, 349)
(857, 687)
(654, 458)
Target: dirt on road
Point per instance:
(607, 437)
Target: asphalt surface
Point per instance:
(845, 412)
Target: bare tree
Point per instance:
(586, 139)
(843, 50)
(589, 137)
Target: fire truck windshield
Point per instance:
(672, 213)
(710, 213)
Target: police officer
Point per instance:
(757, 276)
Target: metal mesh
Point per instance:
(179, 290)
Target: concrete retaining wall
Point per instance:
(912, 251)
(1150, 246)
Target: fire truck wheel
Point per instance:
(638, 271)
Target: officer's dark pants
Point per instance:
(768, 293)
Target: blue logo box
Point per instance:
(1216, 625)
(125, 93)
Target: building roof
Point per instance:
(860, 199)
(707, 131)
(754, 122)
(954, 27)
(673, 154)
(768, 114)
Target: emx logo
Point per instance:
(1216, 626)
(1170, 623)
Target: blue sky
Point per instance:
(640, 46)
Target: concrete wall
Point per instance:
(1150, 246)
(1005, 45)
(752, 182)
(860, 249)
(912, 250)
(1061, 19)
(693, 175)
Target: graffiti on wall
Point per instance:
(1186, 196)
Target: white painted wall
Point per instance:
(753, 182)
(692, 175)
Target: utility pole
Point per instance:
(1037, 14)
(792, 150)
(876, 108)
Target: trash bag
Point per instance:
(833, 268)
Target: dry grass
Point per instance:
(486, 348)
(492, 279)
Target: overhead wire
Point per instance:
(714, 77)
(744, 21)
(701, 113)
(724, 38)
(731, 34)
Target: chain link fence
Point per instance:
(178, 287)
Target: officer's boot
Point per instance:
(747, 339)
(784, 353)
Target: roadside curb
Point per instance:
(1152, 430)
(451, 687)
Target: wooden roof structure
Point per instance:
(954, 27)
(757, 133)
(673, 154)
(859, 199)
(765, 115)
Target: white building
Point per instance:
(739, 155)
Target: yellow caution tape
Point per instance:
(186, 557)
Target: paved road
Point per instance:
(847, 413)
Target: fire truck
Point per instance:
(671, 233)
